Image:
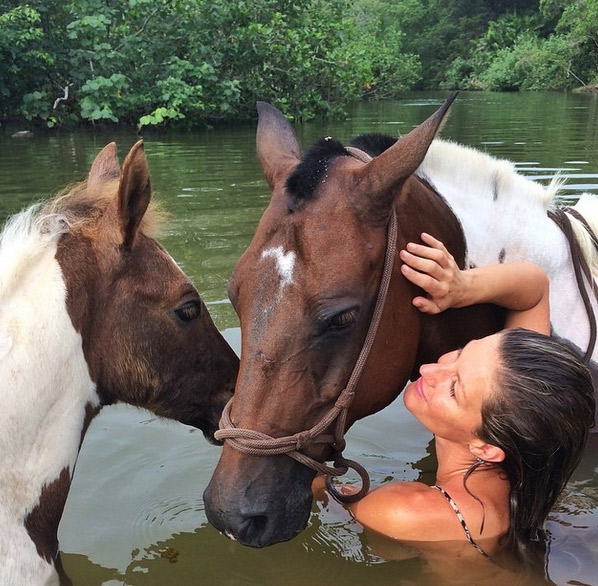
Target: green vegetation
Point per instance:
(190, 62)
(549, 45)
(187, 62)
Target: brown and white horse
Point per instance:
(306, 288)
(92, 311)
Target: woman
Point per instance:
(510, 413)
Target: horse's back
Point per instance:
(502, 213)
(504, 216)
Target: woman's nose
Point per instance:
(433, 373)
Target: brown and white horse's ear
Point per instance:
(134, 193)
(278, 149)
(382, 178)
(104, 169)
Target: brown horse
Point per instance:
(93, 311)
(305, 291)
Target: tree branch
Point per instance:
(144, 25)
(65, 89)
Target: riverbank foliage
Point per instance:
(190, 62)
(545, 45)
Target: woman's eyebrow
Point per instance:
(459, 352)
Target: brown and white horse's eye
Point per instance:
(188, 311)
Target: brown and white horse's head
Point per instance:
(147, 335)
(92, 311)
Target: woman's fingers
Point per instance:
(426, 305)
(422, 250)
(423, 264)
(432, 249)
(431, 267)
(431, 285)
(431, 241)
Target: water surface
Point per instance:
(135, 513)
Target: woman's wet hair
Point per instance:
(539, 413)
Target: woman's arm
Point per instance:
(520, 287)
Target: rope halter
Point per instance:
(255, 443)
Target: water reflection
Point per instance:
(135, 513)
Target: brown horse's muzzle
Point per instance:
(215, 376)
(259, 501)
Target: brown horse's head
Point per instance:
(304, 291)
(147, 336)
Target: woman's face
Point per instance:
(448, 396)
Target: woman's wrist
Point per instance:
(515, 286)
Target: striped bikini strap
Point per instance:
(461, 520)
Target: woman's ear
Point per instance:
(486, 452)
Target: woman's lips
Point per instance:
(419, 388)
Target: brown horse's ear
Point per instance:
(104, 168)
(278, 149)
(382, 178)
(134, 192)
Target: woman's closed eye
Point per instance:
(452, 390)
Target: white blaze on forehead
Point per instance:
(285, 263)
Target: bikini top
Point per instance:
(461, 520)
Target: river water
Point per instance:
(135, 513)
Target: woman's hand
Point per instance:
(431, 267)
(520, 287)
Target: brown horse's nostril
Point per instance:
(252, 531)
(253, 514)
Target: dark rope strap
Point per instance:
(580, 266)
(256, 443)
(573, 212)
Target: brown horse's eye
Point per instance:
(188, 311)
(343, 319)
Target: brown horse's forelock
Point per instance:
(373, 144)
(303, 181)
(306, 176)
(83, 207)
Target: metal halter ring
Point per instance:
(354, 497)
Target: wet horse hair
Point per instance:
(304, 180)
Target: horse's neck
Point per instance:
(502, 213)
(45, 392)
(421, 210)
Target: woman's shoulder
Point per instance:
(403, 510)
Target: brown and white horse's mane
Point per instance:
(479, 169)
(24, 239)
(81, 206)
(26, 235)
